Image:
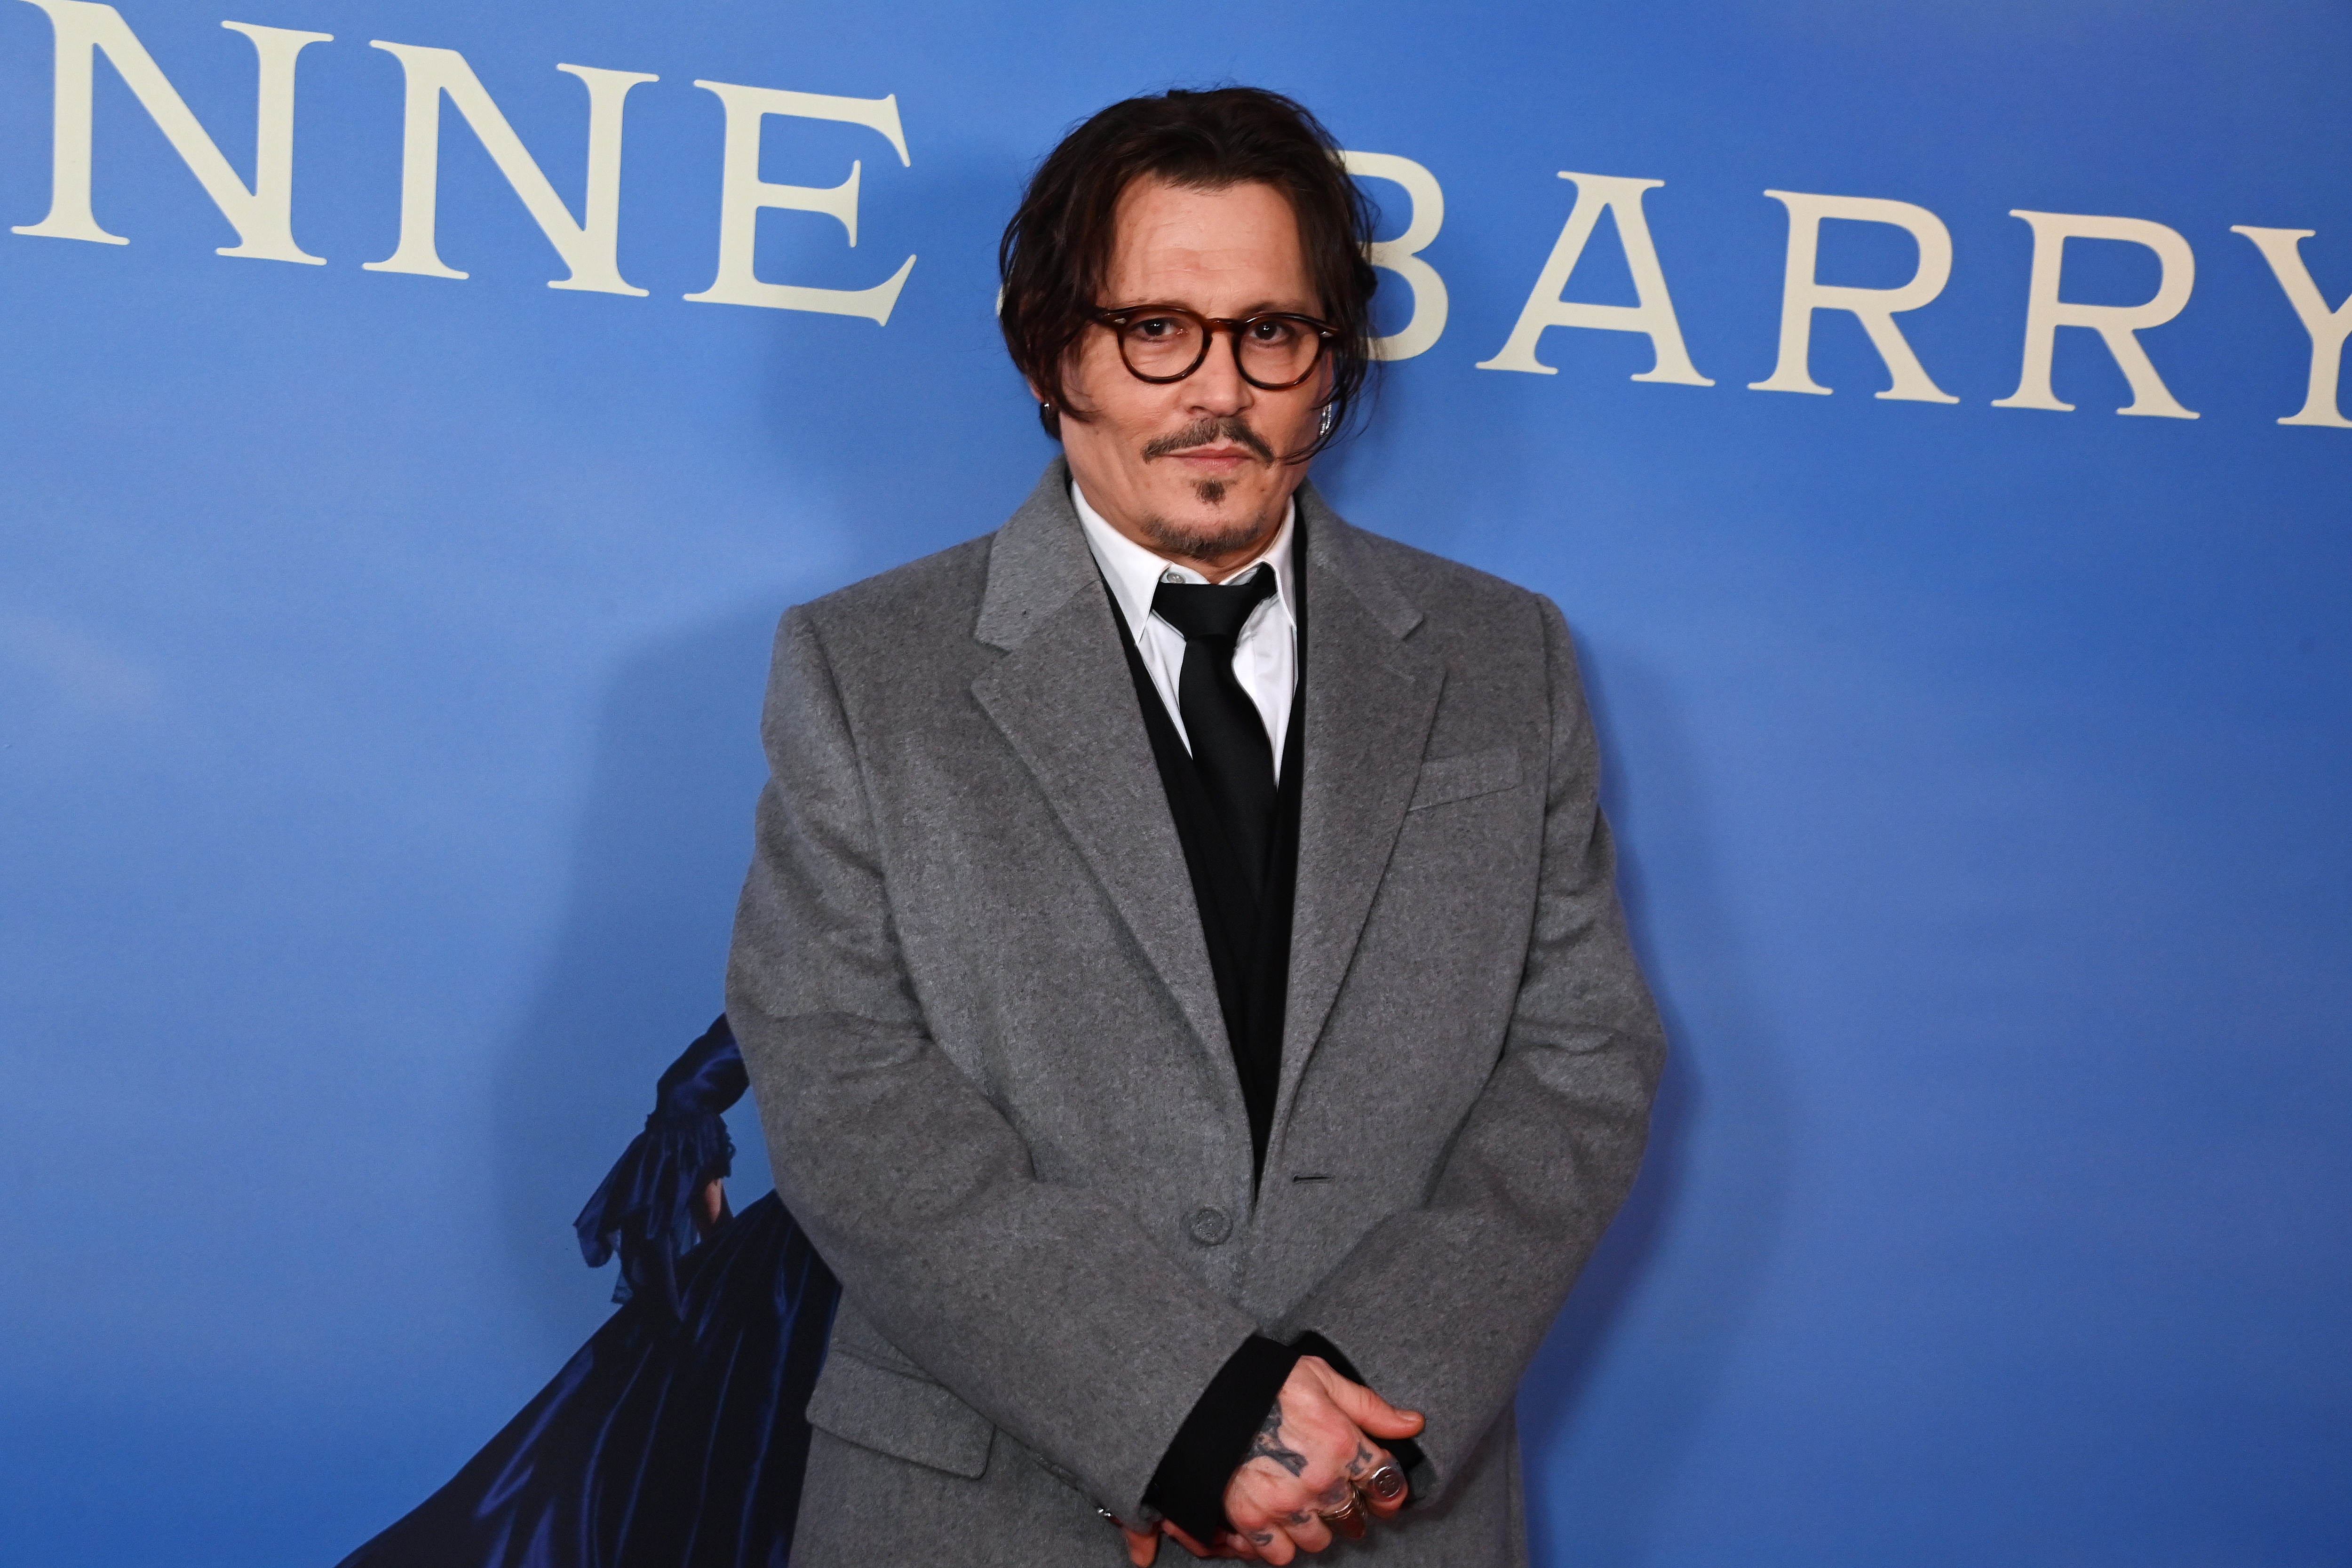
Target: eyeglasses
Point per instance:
(1274, 350)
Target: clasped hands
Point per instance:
(1314, 1456)
(1317, 1453)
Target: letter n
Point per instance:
(262, 215)
(1653, 316)
(589, 247)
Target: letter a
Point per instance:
(1654, 316)
(262, 216)
(2283, 248)
(2046, 313)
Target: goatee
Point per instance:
(1174, 539)
(1171, 537)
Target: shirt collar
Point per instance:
(1134, 572)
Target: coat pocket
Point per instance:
(1444, 779)
(906, 1417)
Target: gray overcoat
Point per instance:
(972, 991)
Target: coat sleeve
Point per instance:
(1043, 1307)
(1441, 1307)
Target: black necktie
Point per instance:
(1227, 734)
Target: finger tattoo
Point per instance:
(1268, 1444)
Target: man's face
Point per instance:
(1190, 470)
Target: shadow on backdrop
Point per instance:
(1696, 1254)
(638, 962)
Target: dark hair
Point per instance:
(1057, 248)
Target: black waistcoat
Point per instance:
(1248, 939)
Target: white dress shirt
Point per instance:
(1266, 654)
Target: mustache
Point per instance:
(1201, 432)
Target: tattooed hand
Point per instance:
(1319, 1439)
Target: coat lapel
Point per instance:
(1063, 701)
(1370, 700)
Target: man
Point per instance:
(1179, 966)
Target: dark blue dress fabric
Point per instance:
(676, 1438)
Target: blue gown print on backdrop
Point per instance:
(675, 1437)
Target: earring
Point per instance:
(1330, 417)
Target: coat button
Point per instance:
(1210, 1227)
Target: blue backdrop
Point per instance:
(381, 652)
